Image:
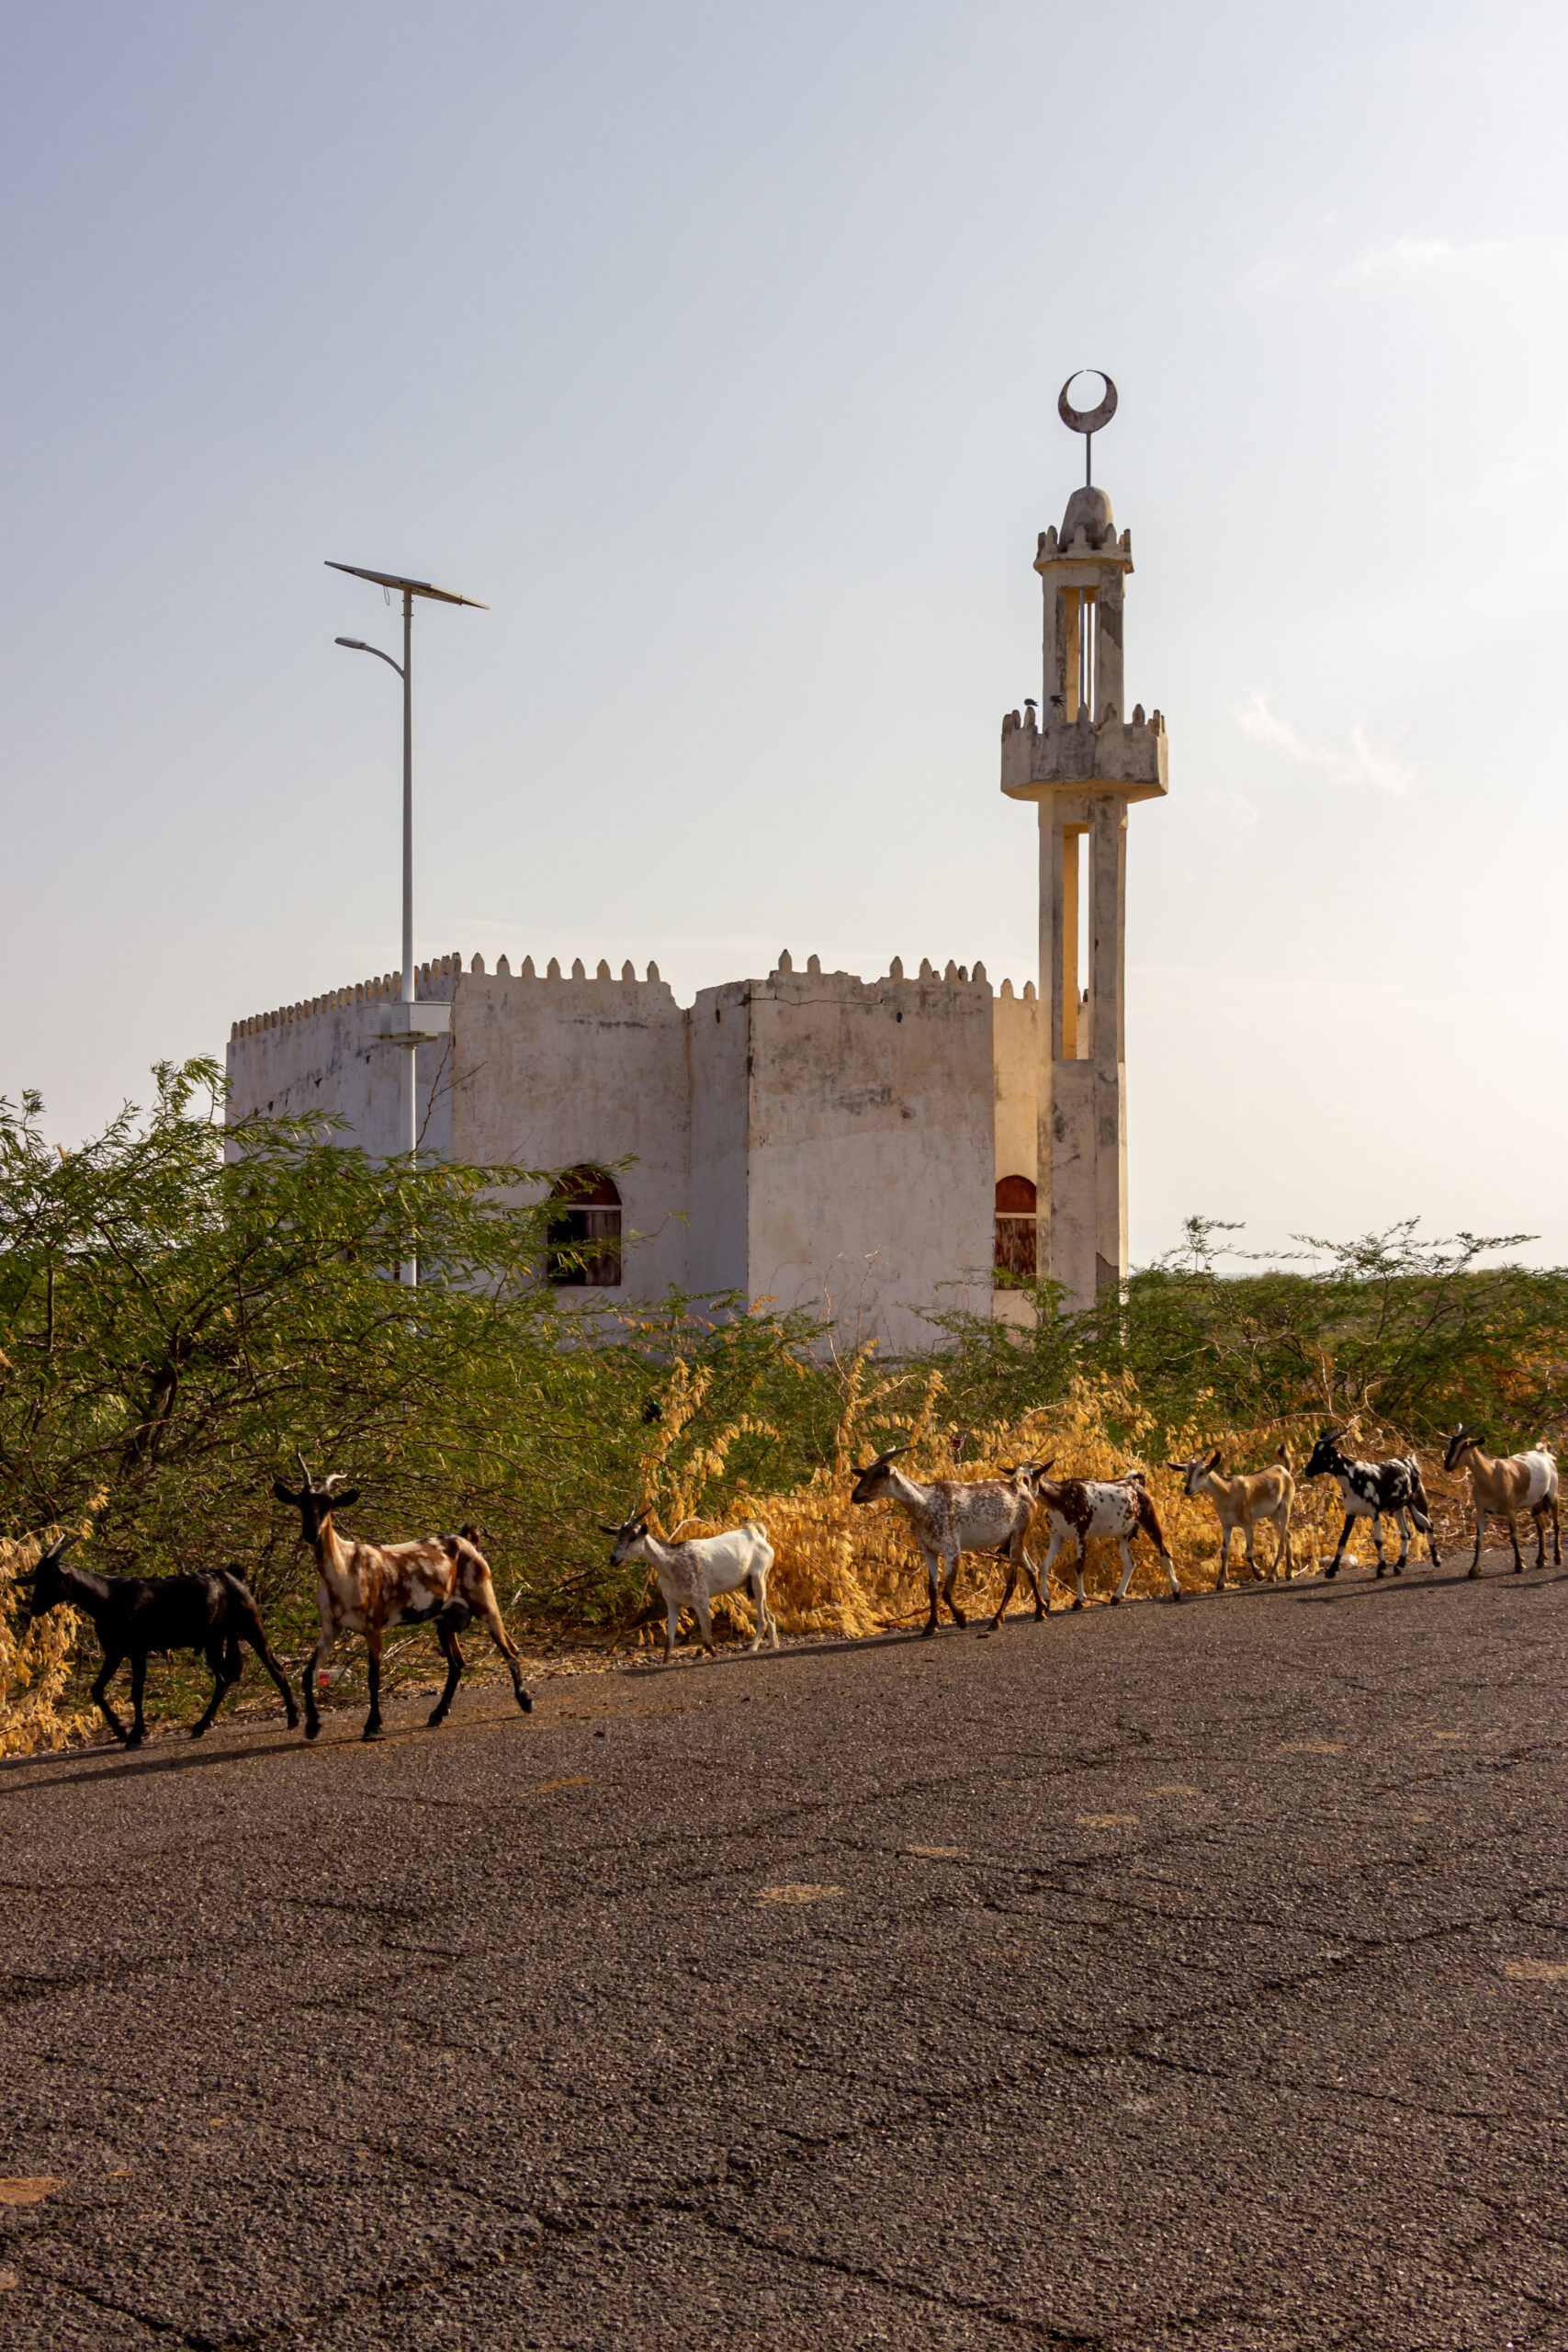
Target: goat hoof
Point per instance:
(372, 1730)
(526, 1703)
(1077, 1604)
(133, 1739)
(1471, 1572)
(313, 1730)
(437, 1716)
(1116, 1600)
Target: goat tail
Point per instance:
(1420, 1509)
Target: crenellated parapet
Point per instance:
(1126, 756)
(954, 975)
(434, 981)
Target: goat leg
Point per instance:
(373, 1660)
(138, 1684)
(958, 1616)
(1332, 1568)
(449, 1625)
(113, 1661)
(258, 1641)
(1480, 1534)
(933, 1577)
(1042, 1593)
(1540, 1534)
(485, 1605)
(221, 1682)
(1514, 1540)
(315, 1666)
(1007, 1589)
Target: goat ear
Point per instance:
(345, 1501)
(282, 1492)
(1214, 1457)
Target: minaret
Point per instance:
(1083, 763)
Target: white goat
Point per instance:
(1241, 1502)
(693, 1575)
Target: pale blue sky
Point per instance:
(717, 348)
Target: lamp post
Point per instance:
(404, 1027)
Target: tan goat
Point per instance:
(1241, 1502)
(1522, 1482)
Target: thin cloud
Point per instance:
(1360, 762)
(1418, 258)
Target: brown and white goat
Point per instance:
(1113, 1509)
(365, 1588)
(952, 1515)
(1241, 1502)
(1522, 1482)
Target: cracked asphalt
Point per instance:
(1159, 1976)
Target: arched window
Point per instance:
(1015, 1227)
(584, 1232)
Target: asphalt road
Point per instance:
(1171, 1975)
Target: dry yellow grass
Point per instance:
(839, 1570)
(34, 1661)
(851, 1570)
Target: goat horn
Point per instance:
(892, 1453)
(303, 1472)
(336, 1478)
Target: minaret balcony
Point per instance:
(1124, 756)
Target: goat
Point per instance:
(1522, 1482)
(1371, 1491)
(952, 1515)
(365, 1588)
(693, 1575)
(1078, 1508)
(1241, 1502)
(211, 1610)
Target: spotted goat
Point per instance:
(443, 1580)
(1519, 1481)
(1077, 1511)
(1241, 1502)
(1374, 1490)
(952, 1515)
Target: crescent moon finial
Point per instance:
(1087, 420)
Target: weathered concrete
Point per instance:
(1084, 765)
(807, 1136)
(1154, 1978)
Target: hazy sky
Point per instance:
(716, 347)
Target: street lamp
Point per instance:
(404, 1027)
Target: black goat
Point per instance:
(213, 1611)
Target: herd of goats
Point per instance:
(444, 1580)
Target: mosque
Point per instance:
(872, 1149)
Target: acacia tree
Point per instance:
(183, 1302)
